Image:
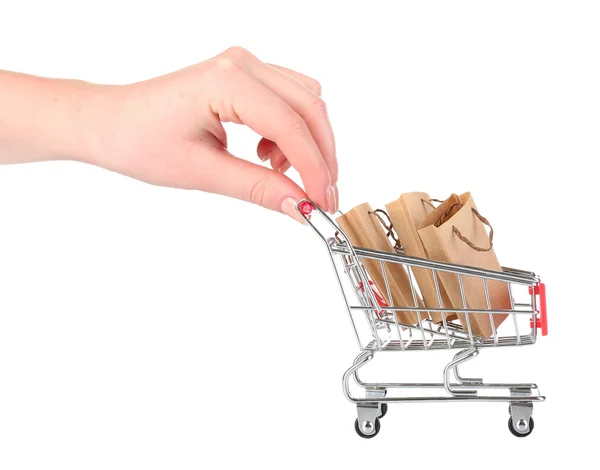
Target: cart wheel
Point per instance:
(384, 408)
(367, 436)
(516, 432)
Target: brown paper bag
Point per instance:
(363, 229)
(455, 233)
(408, 215)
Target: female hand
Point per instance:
(167, 131)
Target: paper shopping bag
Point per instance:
(408, 214)
(455, 232)
(364, 230)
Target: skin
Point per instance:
(168, 130)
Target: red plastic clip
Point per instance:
(380, 300)
(305, 207)
(541, 321)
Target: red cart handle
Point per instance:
(541, 321)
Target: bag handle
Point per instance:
(445, 215)
(485, 221)
(469, 242)
(389, 227)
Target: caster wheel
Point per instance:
(384, 408)
(516, 432)
(367, 436)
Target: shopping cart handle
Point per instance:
(541, 321)
(305, 207)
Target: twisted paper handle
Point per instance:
(388, 226)
(468, 242)
(443, 217)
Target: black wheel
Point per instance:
(367, 436)
(384, 408)
(517, 433)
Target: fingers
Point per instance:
(264, 149)
(278, 160)
(257, 106)
(301, 99)
(285, 165)
(307, 81)
(268, 150)
(245, 180)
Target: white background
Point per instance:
(143, 327)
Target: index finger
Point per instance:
(266, 113)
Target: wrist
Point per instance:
(89, 115)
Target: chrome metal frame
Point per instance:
(386, 333)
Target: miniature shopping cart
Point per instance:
(377, 328)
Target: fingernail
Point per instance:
(288, 207)
(265, 156)
(331, 198)
(337, 197)
(285, 166)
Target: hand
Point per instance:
(167, 131)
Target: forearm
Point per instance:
(43, 119)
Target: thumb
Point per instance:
(223, 173)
